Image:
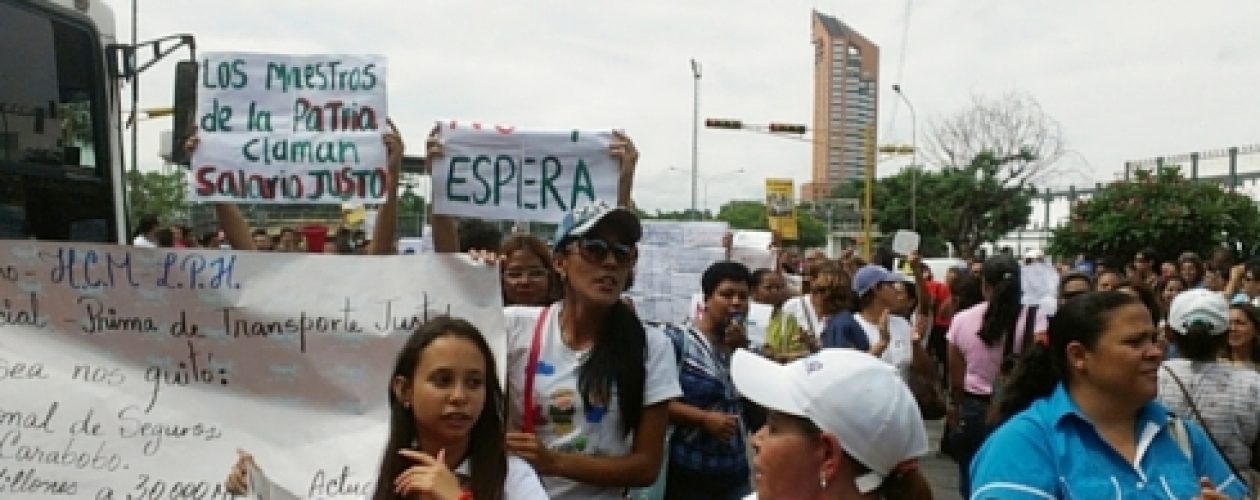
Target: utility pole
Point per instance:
(695, 130)
(869, 136)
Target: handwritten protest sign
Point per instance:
(290, 129)
(137, 373)
(495, 172)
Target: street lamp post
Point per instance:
(695, 128)
(914, 143)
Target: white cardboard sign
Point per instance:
(497, 172)
(290, 129)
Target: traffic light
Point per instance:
(787, 128)
(896, 149)
(723, 123)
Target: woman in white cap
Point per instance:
(589, 382)
(842, 424)
(1085, 422)
(1223, 398)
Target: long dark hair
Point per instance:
(1082, 319)
(1253, 316)
(617, 359)
(1001, 273)
(486, 448)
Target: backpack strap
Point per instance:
(531, 370)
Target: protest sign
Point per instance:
(672, 257)
(290, 129)
(781, 208)
(753, 249)
(138, 373)
(495, 172)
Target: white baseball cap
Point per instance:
(1199, 306)
(856, 397)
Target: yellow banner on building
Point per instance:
(781, 208)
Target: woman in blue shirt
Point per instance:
(1085, 422)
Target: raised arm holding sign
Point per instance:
(620, 151)
(290, 129)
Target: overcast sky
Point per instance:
(1126, 79)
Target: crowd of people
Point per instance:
(1071, 398)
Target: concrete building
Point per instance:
(846, 92)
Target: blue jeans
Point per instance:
(967, 437)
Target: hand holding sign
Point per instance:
(290, 129)
(498, 172)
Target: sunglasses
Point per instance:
(596, 250)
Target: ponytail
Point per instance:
(1001, 273)
(1083, 319)
(908, 485)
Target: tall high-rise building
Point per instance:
(846, 91)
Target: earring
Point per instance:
(822, 480)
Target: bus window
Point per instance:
(54, 159)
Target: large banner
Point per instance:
(138, 373)
(497, 172)
(290, 129)
(781, 208)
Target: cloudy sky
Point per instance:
(1126, 79)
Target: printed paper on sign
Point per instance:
(496, 172)
(290, 129)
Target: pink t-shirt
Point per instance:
(983, 360)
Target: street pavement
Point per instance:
(941, 472)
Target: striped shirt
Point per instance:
(1227, 396)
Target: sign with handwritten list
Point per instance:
(290, 129)
(138, 373)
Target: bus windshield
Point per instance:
(55, 168)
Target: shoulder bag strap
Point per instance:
(531, 369)
(1202, 423)
(1030, 322)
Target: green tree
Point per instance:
(744, 214)
(812, 230)
(156, 193)
(1162, 210)
(751, 215)
(965, 206)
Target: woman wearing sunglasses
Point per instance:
(590, 383)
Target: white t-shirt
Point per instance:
(899, 352)
(521, 483)
(806, 316)
(142, 241)
(566, 425)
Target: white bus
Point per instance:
(61, 168)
